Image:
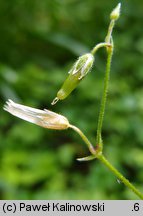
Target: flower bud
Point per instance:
(44, 118)
(79, 70)
(116, 12)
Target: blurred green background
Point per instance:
(39, 41)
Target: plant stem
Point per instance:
(84, 138)
(119, 175)
(97, 152)
(104, 97)
(98, 46)
(100, 156)
(109, 33)
(110, 48)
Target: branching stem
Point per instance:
(97, 152)
(100, 156)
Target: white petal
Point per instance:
(23, 112)
(44, 118)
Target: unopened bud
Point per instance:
(44, 118)
(79, 70)
(116, 12)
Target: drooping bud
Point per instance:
(44, 118)
(116, 12)
(79, 70)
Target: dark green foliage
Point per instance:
(39, 41)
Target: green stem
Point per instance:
(84, 138)
(104, 97)
(109, 33)
(120, 176)
(108, 40)
(98, 46)
(100, 156)
(97, 153)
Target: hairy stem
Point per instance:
(110, 48)
(101, 157)
(119, 175)
(104, 97)
(97, 153)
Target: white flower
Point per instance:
(44, 118)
